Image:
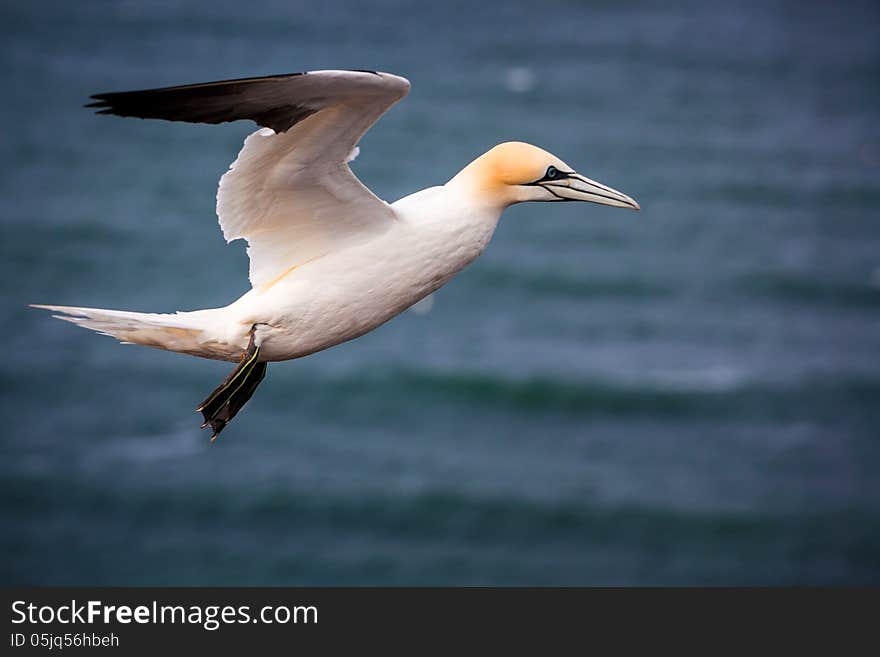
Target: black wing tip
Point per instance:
(103, 106)
(211, 102)
(109, 95)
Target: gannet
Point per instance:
(329, 260)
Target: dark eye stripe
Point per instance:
(557, 175)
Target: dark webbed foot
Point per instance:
(231, 395)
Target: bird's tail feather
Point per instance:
(182, 332)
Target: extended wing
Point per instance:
(290, 192)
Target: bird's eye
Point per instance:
(551, 172)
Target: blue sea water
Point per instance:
(688, 395)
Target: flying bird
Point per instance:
(329, 260)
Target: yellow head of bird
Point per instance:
(514, 172)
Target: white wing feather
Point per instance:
(292, 195)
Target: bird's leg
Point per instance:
(229, 397)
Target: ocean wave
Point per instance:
(601, 397)
(790, 195)
(428, 515)
(789, 287)
(586, 287)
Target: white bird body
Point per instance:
(329, 261)
(347, 293)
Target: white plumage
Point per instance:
(329, 261)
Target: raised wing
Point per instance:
(290, 192)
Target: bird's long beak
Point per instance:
(575, 187)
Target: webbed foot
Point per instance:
(230, 396)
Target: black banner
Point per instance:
(228, 621)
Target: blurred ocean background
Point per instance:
(687, 395)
